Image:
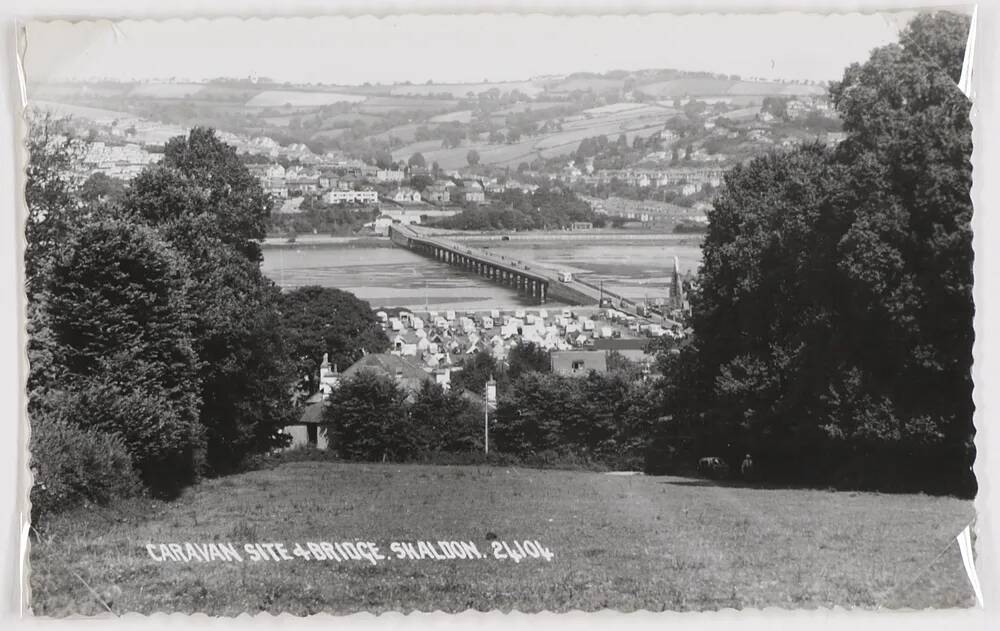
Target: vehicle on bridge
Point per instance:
(565, 277)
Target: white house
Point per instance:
(405, 195)
(355, 197)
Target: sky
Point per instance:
(454, 48)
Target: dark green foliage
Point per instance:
(239, 206)
(151, 323)
(527, 357)
(119, 324)
(204, 201)
(417, 160)
(72, 466)
(833, 326)
(316, 320)
(101, 189)
(444, 421)
(479, 367)
(367, 419)
(48, 193)
(476, 371)
(547, 207)
(604, 417)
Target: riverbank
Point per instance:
(472, 236)
(310, 240)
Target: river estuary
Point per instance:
(388, 276)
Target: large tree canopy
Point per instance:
(833, 325)
(317, 320)
(120, 327)
(203, 200)
(239, 206)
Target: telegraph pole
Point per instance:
(489, 399)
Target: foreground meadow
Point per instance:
(623, 542)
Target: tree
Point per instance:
(366, 418)
(238, 207)
(476, 371)
(776, 106)
(121, 329)
(417, 160)
(444, 421)
(204, 202)
(527, 357)
(101, 189)
(472, 157)
(421, 182)
(50, 196)
(383, 159)
(539, 412)
(833, 324)
(317, 320)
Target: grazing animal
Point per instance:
(713, 466)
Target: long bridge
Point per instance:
(528, 277)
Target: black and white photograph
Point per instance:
(527, 312)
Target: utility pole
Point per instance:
(490, 400)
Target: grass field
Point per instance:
(624, 542)
(717, 87)
(277, 98)
(642, 120)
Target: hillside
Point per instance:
(646, 543)
(505, 122)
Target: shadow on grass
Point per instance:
(734, 484)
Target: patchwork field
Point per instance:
(277, 98)
(629, 119)
(461, 90)
(624, 542)
(720, 87)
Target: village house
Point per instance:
(389, 175)
(351, 197)
(276, 186)
(471, 192)
(495, 186)
(438, 192)
(302, 184)
(347, 182)
(690, 189)
(405, 195)
(308, 430)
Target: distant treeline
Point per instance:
(546, 208)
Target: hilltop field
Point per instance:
(507, 123)
(623, 542)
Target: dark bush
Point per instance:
(73, 466)
(367, 419)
